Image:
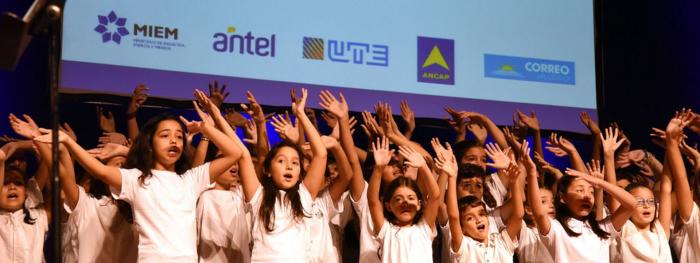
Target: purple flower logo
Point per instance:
(117, 26)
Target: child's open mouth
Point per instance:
(12, 196)
(288, 177)
(173, 151)
(481, 227)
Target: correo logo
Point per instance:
(111, 27)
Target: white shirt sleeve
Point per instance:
(497, 189)
(496, 219)
(509, 243)
(199, 178)
(77, 213)
(386, 227)
(423, 226)
(607, 226)
(555, 231)
(255, 202)
(344, 211)
(34, 196)
(130, 181)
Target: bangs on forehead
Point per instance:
(163, 125)
(294, 156)
(14, 176)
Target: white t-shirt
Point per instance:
(340, 221)
(587, 247)
(406, 244)
(635, 246)
(497, 190)
(290, 240)
(323, 246)
(531, 248)
(369, 246)
(101, 233)
(164, 212)
(222, 228)
(21, 242)
(687, 238)
(499, 249)
(495, 226)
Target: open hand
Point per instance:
(138, 98)
(27, 128)
(216, 95)
(382, 154)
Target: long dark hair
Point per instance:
(389, 192)
(633, 186)
(141, 155)
(271, 191)
(564, 214)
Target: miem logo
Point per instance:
(111, 27)
(243, 44)
(529, 69)
(436, 60)
(114, 28)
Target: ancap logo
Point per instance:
(117, 25)
(436, 60)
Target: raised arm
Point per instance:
(339, 109)
(256, 113)
(666, 199)
(446, 164)
(108, 174)
(66, 172)
(595, 132)
(627, 201)
(514, 221)
(490, 126)
(610, 144)
(138, 97)
(596, 170)
(533, 125)
(426, 178)
(382, 155)
(499, 161)
(409, 118)
(444, 153)
(533, 192)
(200, 153)
(314, 178)
(392, 131)
(345, 174)
(560, 146)
(457, 123)
(286, 128)
(674, 133)
(28, 129)
(230, 151)
(250, 181)
(452, 206)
